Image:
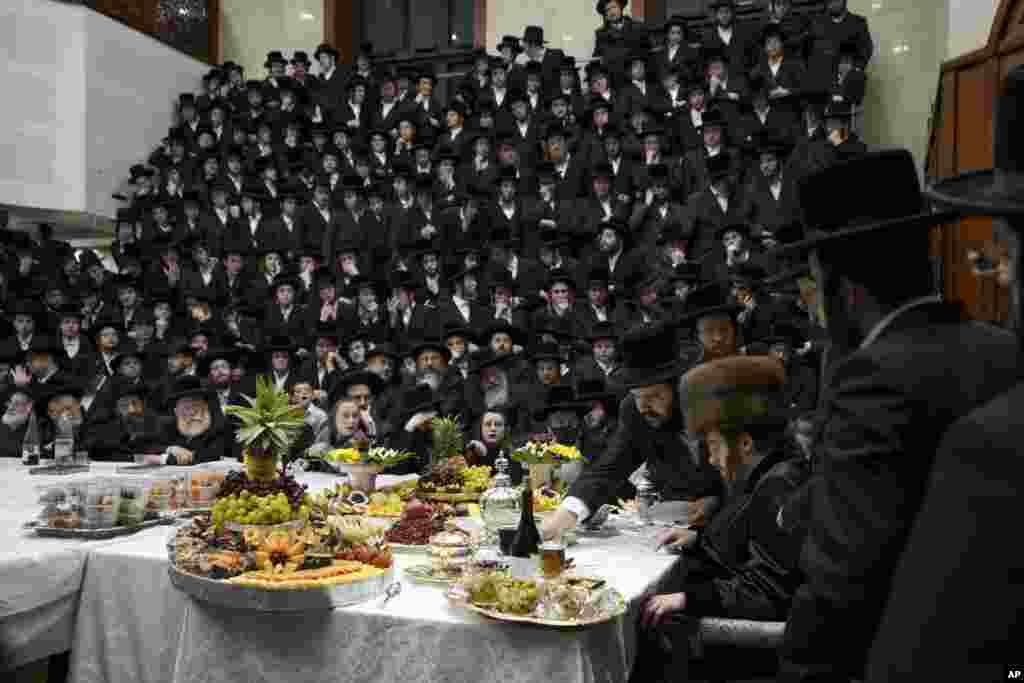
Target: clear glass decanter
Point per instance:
(499, 505)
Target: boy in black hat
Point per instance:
(603, 363)
(784, 75)
(726, 38)
(716, 205)
(461, 307)
(890, 332)
(618, 37)
(284, 315)
(650, 424)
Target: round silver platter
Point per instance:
(301, 600)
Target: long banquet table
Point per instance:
(123, 620)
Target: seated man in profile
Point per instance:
(742, 564)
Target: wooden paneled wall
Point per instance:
(962, 141)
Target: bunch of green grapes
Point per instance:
(476, 479)
(245, 508)
(517, 597)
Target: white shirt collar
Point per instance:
(882, 325)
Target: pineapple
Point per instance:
(446, 455)
(268, 427)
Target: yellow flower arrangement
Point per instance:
(546, 453)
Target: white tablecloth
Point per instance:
(133, 625)
(130, 624)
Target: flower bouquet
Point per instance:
(543, 455)
(363, 466)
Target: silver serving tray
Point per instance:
(233, 596)
(96, 534)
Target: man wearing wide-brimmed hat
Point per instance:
(741, 565)
(617, 38)
(650, 426)
(954, 607)
(904, 367)
(194, 436)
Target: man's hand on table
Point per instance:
(701, 509)
(657, 608)
(553, 526)
(675, 537)
(182, 456)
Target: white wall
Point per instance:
(132, 85)
(252, 28)
(568, 24)
(970, 22)
(85, 98)
(42, 149)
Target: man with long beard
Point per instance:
(130, 426)
(954, 609)
(192, 437)
(650, 429)
(17, 404)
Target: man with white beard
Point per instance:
(17, 405)
(192, 437)
(490, 387)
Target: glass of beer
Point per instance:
(552, 560)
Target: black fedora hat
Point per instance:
(188, 386)
(300, 57)
(384, 349)
(602, 5)
(712, 299)
(590, 389)
(512, 42)
(487, 358)
(558, 398)
(651, 355)
(998, 191)
(212, 355)
(456, 330)
(545, 351)
(353, 378)
(888, 199)
(603, 330)
(534, 35)
(517, 334)
(325, 49)
(434, 344)
(274, 57)
(419, 399)
(280, 342)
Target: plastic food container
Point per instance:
(131, 506)
(99, 516)
(203, 487)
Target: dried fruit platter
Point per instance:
(614, 608)
(265, 595)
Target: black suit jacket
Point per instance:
(886, 408)
(676, 474)
(613, 46)
(954, 607)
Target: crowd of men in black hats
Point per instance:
(324, 229)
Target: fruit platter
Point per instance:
(565, 602)
(266, 545)
(452, 479)
(420, 520)
(344, 500)
(279, 568)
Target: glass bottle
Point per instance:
(646, 498)
(64, 443)
(499, 505)
(30, 444)
(527, 540)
